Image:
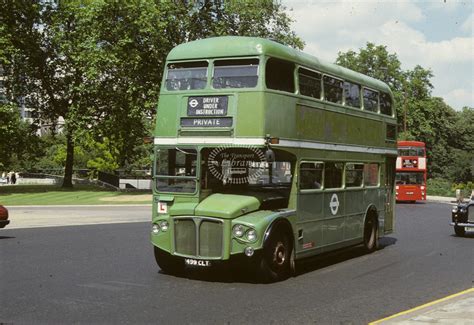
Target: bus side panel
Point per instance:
(334, 204)
(167, 120)
(355, 212)
(310, 220)
(280, 116)
(250, 117)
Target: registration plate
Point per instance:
(469, 228)
(200, 263)
(409, 193)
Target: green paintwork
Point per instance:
(183, 209)
(258, 112)
(227, 206)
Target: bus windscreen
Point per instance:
(410, 178)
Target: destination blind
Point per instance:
(207, 111)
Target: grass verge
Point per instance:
(79, 195)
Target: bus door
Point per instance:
(310, 206)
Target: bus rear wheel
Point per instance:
(276, 260)
(168, 263)
(371, 240)
(460, 231)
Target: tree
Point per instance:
(263, 18)
(41, 64)
(447, 133)
(375, 61)
(135, 39)
(98, 64)
(18, 141)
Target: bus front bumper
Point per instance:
(463, 224)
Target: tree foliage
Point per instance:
(98, 64)
(448, 134)
(19, 144)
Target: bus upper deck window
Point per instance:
(279, 75)
(186, 76)
(309, 83)
(385, 104)
(370, 100)
(352, 94)
(235, 73)
(333, 89)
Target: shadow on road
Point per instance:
(466, 235)
(411, 202)
(7, 237)
(324, 260)
(229, 274)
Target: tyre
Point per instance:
(460, 231)
(168, 263)
(371, 240)
(276, 260)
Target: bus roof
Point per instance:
(237, 46)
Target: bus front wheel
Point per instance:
(371, 240)
(276, 260)
(168, 263)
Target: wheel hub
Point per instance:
(279, 255)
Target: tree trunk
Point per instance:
(67, 181)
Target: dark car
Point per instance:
(463, 216)
(3, 216)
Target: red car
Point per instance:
(3, 216)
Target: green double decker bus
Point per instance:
(265, 155)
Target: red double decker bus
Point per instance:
(411, 171)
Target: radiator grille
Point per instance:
(185, 236)
(210, 238)
(198, 237)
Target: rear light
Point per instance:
(422, 188)
(397, 187)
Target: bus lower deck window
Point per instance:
(333, 174)
(371, 174)
(311, 175)
(354, 175)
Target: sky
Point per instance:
(435, 34)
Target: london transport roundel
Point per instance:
(334, 204)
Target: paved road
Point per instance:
(106, 274)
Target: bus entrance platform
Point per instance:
(454, 309)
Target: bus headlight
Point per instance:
(164, 225)
(238, 231)
(155, 230)
(251, 235)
